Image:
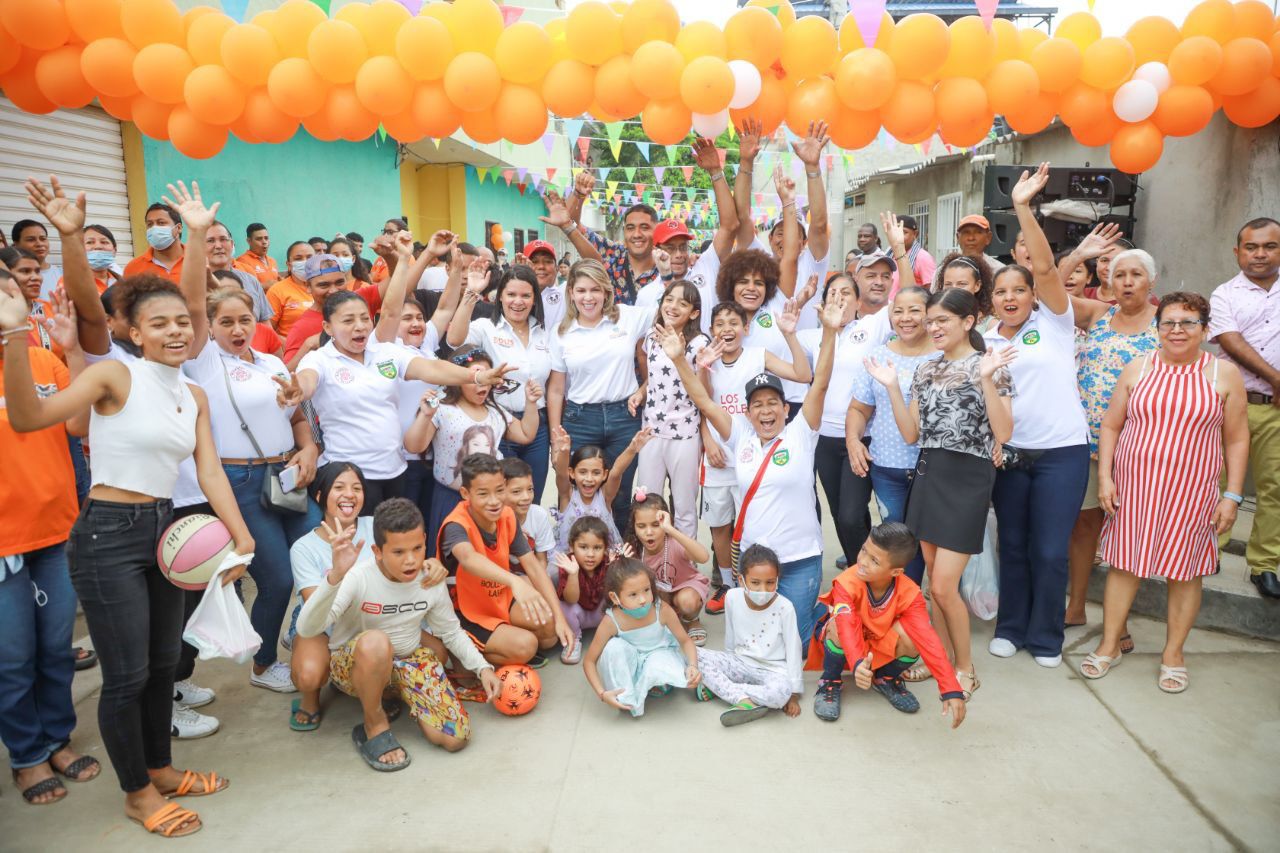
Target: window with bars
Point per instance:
(949, 207)
(920, 210)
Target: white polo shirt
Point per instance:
(854, 341)
(553, 298)
(500, 341)
(728, 384)
(410, 391)
(357, 406)
(255, 395)
(763, 331)
(806, 265)
(599, 363)
(434, 278)
(782, 514)
(1047, 412)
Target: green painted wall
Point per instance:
(300, 189)
(494, 201)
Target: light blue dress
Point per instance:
(641, 659)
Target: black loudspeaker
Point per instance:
(1060, 233)
(1109, 186)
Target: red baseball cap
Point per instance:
(538, 246)
(669, 229)
(975, 219)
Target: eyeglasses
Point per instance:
(1181, 325)
(389, 232)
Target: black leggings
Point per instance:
(377, 491)
(135, 619)
(848, 495)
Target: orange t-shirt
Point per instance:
(146, 263)
(288, 300)
(265, 340)
(486, 603)
(39, 335)
(38, 489)
(380, 272)
(264, 270)
(102, 283)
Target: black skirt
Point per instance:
(949, 498)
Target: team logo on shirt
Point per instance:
(746, 454)
(344, 376)
(1031, 337)
(782, 457)
(764, 321)
(551, 295)
(503, 342)
(240, 374)
(387, 369)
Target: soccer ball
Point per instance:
(521, 688)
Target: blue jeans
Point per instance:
(273, 531)
(610, 427)
(891, 486)
(37, 614)
(537, 453)
(798, 583)
(1036, 507)
(419, 484)
(80, 466)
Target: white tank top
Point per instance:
(139, 447)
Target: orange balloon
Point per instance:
(249, 53)
(344, 111)
(319, 127)
(381, 25)
(1153, 39)
(472, 82)
(151, 22)
(666, 122)
(1108, 62)
(521, 114)
(1029, 40)
(37, 24)
(59, 77)
(100, 19)
(434, 112)
(117, 108)
(1195, 61)
(706, 85)
(755, 35)
(780, 9)
(1007, 43)
(403, 127)
(614, 89)
(1035, 115)
(649, 20)
(702, 38)
(383, 86)
(967, 134)
(241, 131)
(593, 33)
(1098, 133)
(1082, 106)
(1080, 28)
(569, 87)
(425, 48)
(474, 25)
(1254, 19)
(1245, 61)
(523, 53)
(920, 46)
(1057, 62)
(11, 52)
(851, 37)
(1010, 83)
(295, 87)
(204, 38)
(481, 126)
(910, 111)
(1215, 19)
(961, 101)
(194, 138)
(1257, 108)
(865, 79)
(151, 117)
(263, 119)
(810, 47)
(161, 69)
(213, 95)
(770, 108)
(107, 65)
(973, 49)
(813, 100)
(852, 129)
(1275, 54)
(337, 50)
(1136, 147)
(20, 86)
(357, 14)
(655, 70)
(291, 26)
(1183, 110)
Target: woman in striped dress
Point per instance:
(1160, 458)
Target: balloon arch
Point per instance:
(194, 78)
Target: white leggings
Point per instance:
(665, 459)
(733, 679)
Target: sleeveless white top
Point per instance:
(139, 447)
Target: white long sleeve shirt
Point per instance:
(768, 638)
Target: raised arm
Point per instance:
(561, 446)
(799, 369)
(708, 160)
(673, 345)
(749, 140)
(906, 417)
(583, 183)
(623, 462)
(384, 247)
(1100, 239)
(558, 216)
(195, 267)
(809, 150)
(811, 408)
(417, 438)
(897, 238)
(788, 263)
(393, 297)
(1049, 287)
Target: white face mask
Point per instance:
(760, 597)
(298, 268)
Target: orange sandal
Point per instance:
(170, 821)
(211, 783)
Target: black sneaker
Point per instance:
(826, 704)
(715, 604)
(897, 693)
(537, 661)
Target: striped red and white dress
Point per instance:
(1166, 468)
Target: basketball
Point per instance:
(521, 688)
(192, 549)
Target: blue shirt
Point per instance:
(888, 450)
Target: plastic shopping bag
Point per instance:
(219, 627)
(980, 583)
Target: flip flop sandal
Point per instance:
(743, 712)
(211, 783)
(309, 724)
(699, 636)
(1176, 674)
(39, 789)
(1066, 626)
(170, 821)
(85, 658)
(372, 749)
(1100, 663)
(76, 770)
(1126, 649)
(918, 672)
(702, 693)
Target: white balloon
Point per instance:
(711, 125)
(1135, 101)
(746, 84)
(506, 237)
(1155, 73)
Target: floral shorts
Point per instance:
(418, 680)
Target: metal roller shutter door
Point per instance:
(83, 148)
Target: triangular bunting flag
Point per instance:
(630, 172)
(551, 173)
(688, 172)
(510, 14)
(235, 9)
(573, 127)
(548, 142)
(671, 154)
(414, 6)
(723, 153)
(775, 9)
(507, 175)
(522, 187)
(615, 146)
(640, 188)
(926, 145)
(611, 187)
(643, 148)
(987, 9)
(520, 173)
(867, 14)
(482, 172)
(583, 145)
(658, 172)
(666, 195)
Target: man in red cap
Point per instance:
(974, 236)
(671, 240)
(542, 259)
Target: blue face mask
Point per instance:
(160, 237)
(101, 259)
(637, 612)
(345, 264)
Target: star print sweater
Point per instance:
(668, 411)
(769, 638)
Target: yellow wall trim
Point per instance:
(135, 177)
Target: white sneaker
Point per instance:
(191, 694)
(188, 724)
(573, 655)
(1049, 663)
(1002, 648)
(275, 677)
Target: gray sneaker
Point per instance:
(187, 692)
(188, 724)
(826, 704)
